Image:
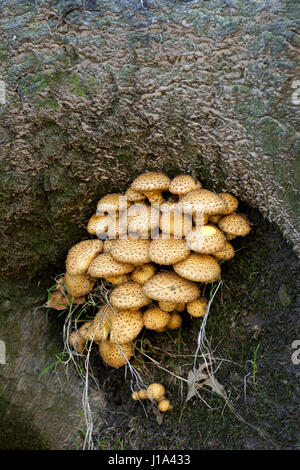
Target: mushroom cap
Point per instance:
(142, 394)
(198, 268)
(168, 286)
(175, 223)
(234, 224)
(79, 284)
(113, 202)
(197, 308)
(134, 196)
(126, 326)
(206, 239)
(151, 181)
(183, 184)
(143, 273)
(203, 200)
(128, 296)
(115, 355)
(142, 219)
(175, 321)
(155, 318)
(81, 255)
(167, 306)
(232, 202)
(168, 251)
(131, 250)
(225, 254)
(117, 280)
(155, 391)
(102, 323)
(98, 224)
(107, 244)
(105, 265)
(164, 405)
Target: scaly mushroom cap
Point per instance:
(126, 326)
(102, 324)
(156, 319)
(206, 240)
(197, 308)
(232, 202)
(142, 394)
(155, 391)
(105, 265)
(170, 287)
(203, 200)
(98, 224)
(128, 296)
(143, 273)
(112, 203)
(81, 255)
(134, 196)
(115, 355)
(175, 223)
(152, 184)
(167, 306)
(132, 251)
(183, 184)
(79, 284)
(198, 268)
(168, 251)
(234, 225)
(175, 321)
(117, 280)
(165, 405)
(142, 219)
(225, 254)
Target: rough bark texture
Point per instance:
(99, 91)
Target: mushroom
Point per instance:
(168, 286)
(155, 391)
(168, 251)
(115, 355)
(81, 255)
(112, 204)
(203, 200)
(232, 202)
(100, 327)
(77, 342)
(225, 254)
(131, 251)
(197, 308)
(206, 239)
(128, 296)
(142, 274)
(117, 280)
(104, 265)
(165, 405)
(142, 220)
(174, 322)
(98, 224)
(198, 268)
(79, 284)
(183, 184)
(156, 319)
(126, 326)
(134, 196)
(234, 225)
(152, 184)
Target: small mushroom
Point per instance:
(152, 184)
(79, 284)
(197, 308)
(129, 296)
(183, 184)
(155, 391)
(131, 251)
(234, 225)
(203, 200)
(112, 204)
(126, 326)
(165, 405)
(168, 251)
(98, 224)
(232, 202)
(142, 274)
(81, 255)
(206, 240)
(174, 322)
(156, 319)
(170, 287)
(115, 355)
(104, 265)
(198, 268)
(225, 254)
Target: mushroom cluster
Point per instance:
(155, 245)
